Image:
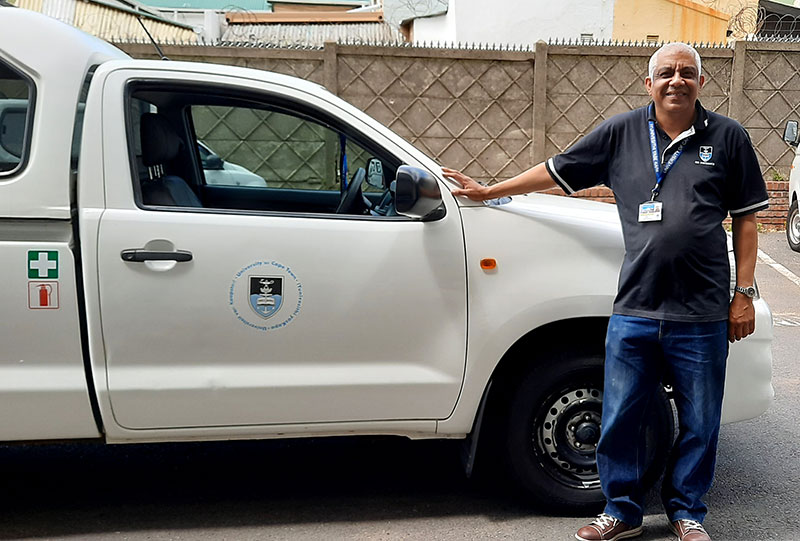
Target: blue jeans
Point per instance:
(639, 351)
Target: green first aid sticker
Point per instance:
(42, 264)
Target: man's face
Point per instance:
(675, 82)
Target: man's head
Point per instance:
(674, 78)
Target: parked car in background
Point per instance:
(792, 136)
(225, 173)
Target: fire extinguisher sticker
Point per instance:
(43, 295)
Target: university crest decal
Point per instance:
(265, 295)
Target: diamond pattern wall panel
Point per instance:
(772, 96)
(474, 115)
(286, 151)
(584, 90)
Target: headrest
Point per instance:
(160, 142)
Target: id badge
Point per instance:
(650, 211)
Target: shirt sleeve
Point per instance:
(584, 164)
(747, 192)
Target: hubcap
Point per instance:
(567, 435)
(794, 227)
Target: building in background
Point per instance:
(779, 18)
(209, 17)
(288, 28)
(655, 21)
(582, 21)
(112, 20)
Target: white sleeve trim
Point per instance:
(764, 203)
(558, 179)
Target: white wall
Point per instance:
(441, 28)
(396, 11)
(518, 21)
(209, 24)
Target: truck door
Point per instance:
(235, 305)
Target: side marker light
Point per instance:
(488, 263)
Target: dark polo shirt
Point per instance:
(677, 268)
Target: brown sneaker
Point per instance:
(607, 528)
(689, 530)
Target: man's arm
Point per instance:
(534, 179)
(742, 315)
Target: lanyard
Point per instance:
(660, 174)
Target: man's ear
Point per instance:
(702, 82)
(648, 84)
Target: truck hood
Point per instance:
(565, 209)
(594, 223)
(582, 236)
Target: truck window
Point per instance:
(15, 94)
(198, 147)
(243, 146)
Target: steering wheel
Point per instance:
(352, 193)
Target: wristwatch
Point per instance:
(749, 291)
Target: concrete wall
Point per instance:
(496, 113)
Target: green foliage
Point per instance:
(778, 176)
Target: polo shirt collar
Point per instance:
(700, 120)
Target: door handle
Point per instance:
(139, 255)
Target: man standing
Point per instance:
(676, 171)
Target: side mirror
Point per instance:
(790, 134)
(213, 163)
(417, 194)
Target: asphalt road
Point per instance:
(383, 488)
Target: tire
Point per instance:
(793, 227)
(556, 467)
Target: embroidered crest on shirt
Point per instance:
(705, 155)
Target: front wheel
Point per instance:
(553, 429)
(793, 227)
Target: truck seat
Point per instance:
(160, 145)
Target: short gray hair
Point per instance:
(651, 68)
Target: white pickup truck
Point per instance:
(350, 294)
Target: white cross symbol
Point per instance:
(43, 265)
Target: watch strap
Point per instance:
(749, 291)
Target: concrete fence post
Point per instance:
(736, 104)
(330, 66)
(539, 102)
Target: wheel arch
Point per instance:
(534, 347)
(575, 335)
